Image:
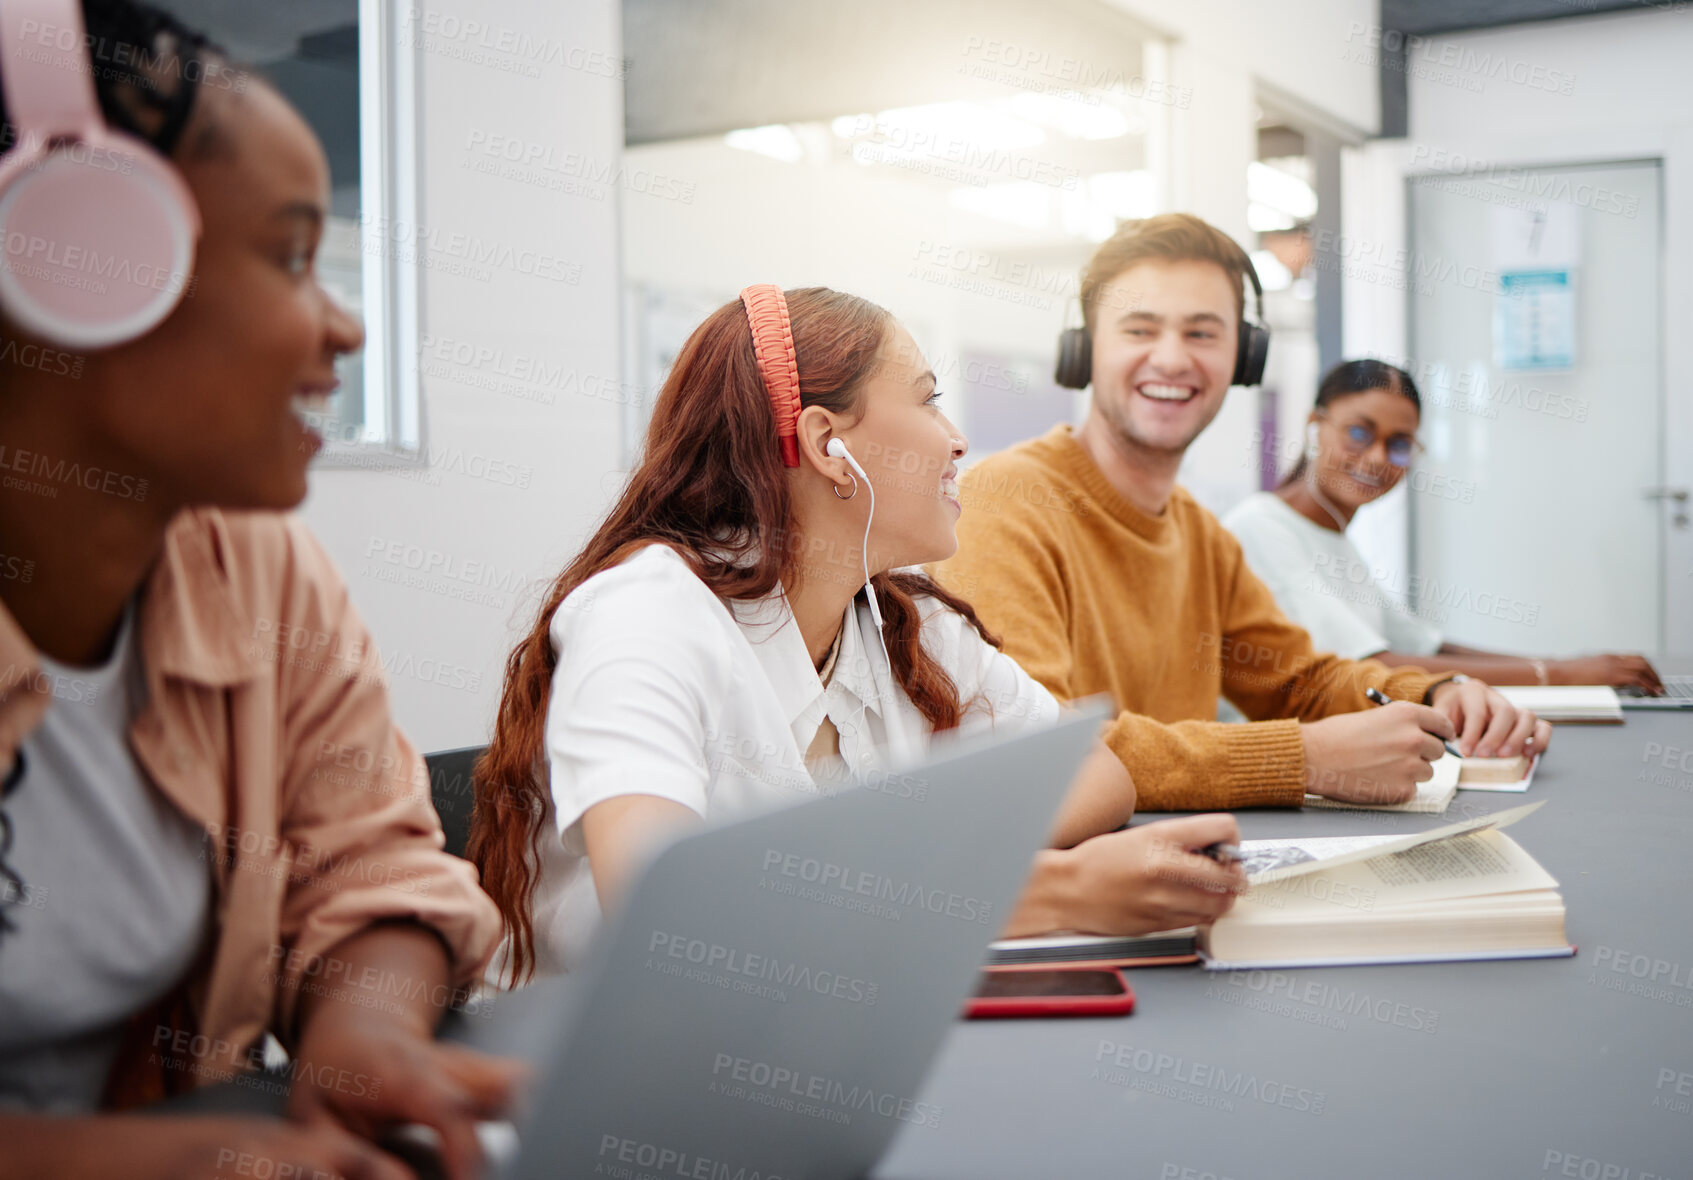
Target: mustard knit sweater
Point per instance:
(1091, 595)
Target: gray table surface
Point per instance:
(1538, 1068)
(1576, 1067)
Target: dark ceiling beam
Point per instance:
(1421, 17)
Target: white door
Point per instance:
(1538, 521)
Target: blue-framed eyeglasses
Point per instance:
(1401, 448)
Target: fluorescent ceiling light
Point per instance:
(1019, 202)
(1263, 219)
(931, 128)
(1069, 117)
(776, 140)
(1271, 273)
(1280, 191)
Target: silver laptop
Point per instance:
(1678, 694)
(773, 992)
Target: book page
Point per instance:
(1272, 860)
(1569, 701)
(1468, 866)
(1518, 787)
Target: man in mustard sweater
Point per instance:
(1101, 575)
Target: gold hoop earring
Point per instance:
(837, 487)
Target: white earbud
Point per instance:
(1311, 440)
(903, 750)
(838, 449)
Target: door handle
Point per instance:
(1679, 518)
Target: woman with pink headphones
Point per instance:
(745, 626)
(186, 863)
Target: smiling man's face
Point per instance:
(1164, 342)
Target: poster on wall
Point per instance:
(1534, 323)
(1535, 252)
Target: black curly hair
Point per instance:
(147, 68)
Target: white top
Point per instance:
(117, 891)
(664, 689)
(1323, 583)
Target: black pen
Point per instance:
(1381, 698)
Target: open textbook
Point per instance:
(1450, 775)
(1463, 891)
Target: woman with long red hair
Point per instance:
(742, 628)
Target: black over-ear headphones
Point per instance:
(1075, 347)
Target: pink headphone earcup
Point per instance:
(96, 242)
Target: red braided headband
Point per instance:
(773, 343)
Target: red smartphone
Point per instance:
(1063, 991)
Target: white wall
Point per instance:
(514, 483)
(1317, 52)
(1630, 97)
(511, 483)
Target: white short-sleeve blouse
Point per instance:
(662, 688)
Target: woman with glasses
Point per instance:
(1360, 439)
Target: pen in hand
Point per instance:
(1380, 698)
(1223, 854)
